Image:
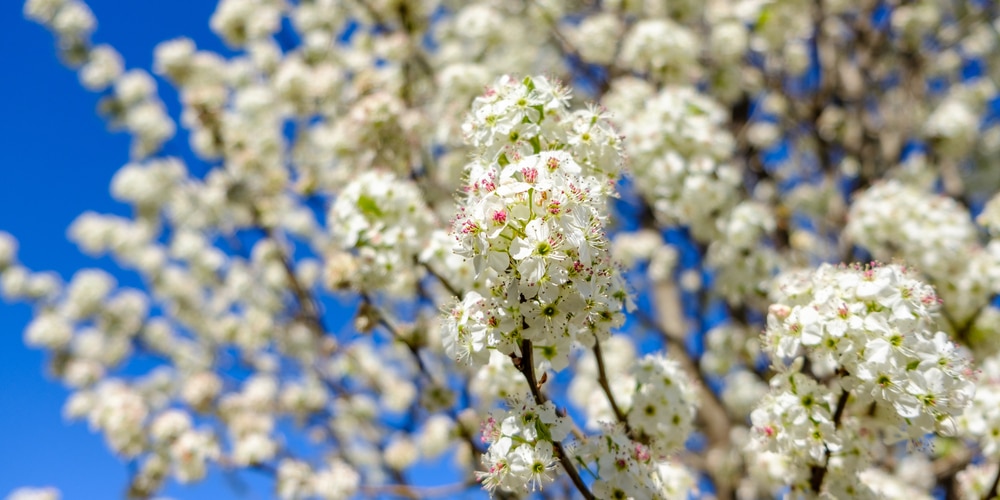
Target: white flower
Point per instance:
(382, 220)
(520, 455)
(338, 481)
(532, 227)
(661, 47)
(664, 404)
(74, 20)
(50, 330)
(167, 426)
(294, 479)
(596, 37)
(46, 493)
(104, 65)
(254, 448)
(678, 145)
(874, 327)
(190, 452)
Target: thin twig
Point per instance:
(602, 380)
(452, 289)
(527, 368)
(817, 474)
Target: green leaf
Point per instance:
(368, 206)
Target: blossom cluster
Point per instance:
(873, 327)
(939, 238)
(329, 141)
(384, 222)
(629, 469)
(635, 457)
(532, 225)
(679, 151)
(894, 219)
(981, 420)
(743, 261)
(521, 453)
(516, 119)
(663, 406)
(133, 103)
(297, 479)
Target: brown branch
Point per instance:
(526, 365)
(817, 474)
(307, 304)
(383, 320)
(452, 289)
(602, 380)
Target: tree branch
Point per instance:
(602, 380)
(527, 368)
(817, 474)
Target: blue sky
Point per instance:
(56, 161)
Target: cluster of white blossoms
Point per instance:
(46, 493)
(664, 404)
(981, 420)
(741, 259)
(521, 454)
(678, 149)
(939, 238)
(133, 103)
(954, 124)
(517, 119)
(659, 402)
(328, 142)
(795, 425)
(663, 48)
(297, 479)
(873, 327)
(627, 469)
(532, 224)
(385, 223)
(892, 219)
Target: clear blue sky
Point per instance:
(56, 161)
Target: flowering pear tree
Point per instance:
(582, 249)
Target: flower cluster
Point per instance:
(664, 404)
(892, 219)
(532, 225)
(741, 261)
(633, 457)
(521, 451)
(516, 119)
(178, 445)
(981, 420)
(678, 148)
(873, 327)
(663, 48)
(628, 469)
(335, 481)
(385, 222)
(796, 421)
(940, 238)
